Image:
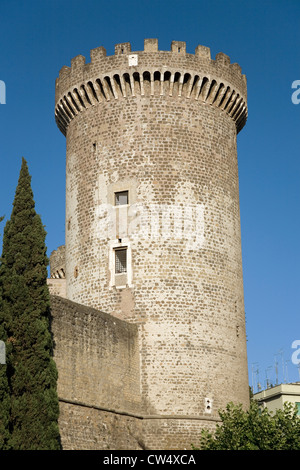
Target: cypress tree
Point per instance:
(4, 386)
(4, 396)
(31, 370)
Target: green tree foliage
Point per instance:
(4, 387)
(254, 429)
(25, 321)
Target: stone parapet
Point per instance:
(58, 263)
(151, 72)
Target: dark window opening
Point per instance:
(121, 261)
(121, 198)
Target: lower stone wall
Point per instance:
(98, 361)
(174, 434)
(87, 428)
(84, 428)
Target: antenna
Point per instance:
(258, 382)
(268, 383)
(286, 377)
(276, 368)
(255, 374)
(279, 354)
(282, 360)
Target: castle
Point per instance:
(147, 292)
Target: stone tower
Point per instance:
(152, 219)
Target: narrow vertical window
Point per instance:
(121, 261)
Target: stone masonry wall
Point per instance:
(57, 287)
(97, 357)
(86, 428)
(58, 263)
(98, 387)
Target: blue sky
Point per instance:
(38, 37)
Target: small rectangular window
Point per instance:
(121, 260)
(121, 198)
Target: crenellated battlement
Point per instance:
(175, 73)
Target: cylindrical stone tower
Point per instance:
(153, 224)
